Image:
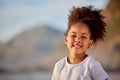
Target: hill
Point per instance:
(32, 50)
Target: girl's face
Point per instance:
(78, 38)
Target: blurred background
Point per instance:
(32, 31)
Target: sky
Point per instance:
(17, 16)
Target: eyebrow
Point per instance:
(73, 32)
(82, 33)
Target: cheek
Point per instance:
(86, 43)
(70, 40)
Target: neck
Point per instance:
(74, 59)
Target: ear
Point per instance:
(65, 40)
(91, 43)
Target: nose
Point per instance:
(77, 39)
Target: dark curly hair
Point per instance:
(92, 18)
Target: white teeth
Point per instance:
(76, 46)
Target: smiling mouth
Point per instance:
(77, 46)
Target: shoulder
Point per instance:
(97, 72)
(93, 64)
(60, 63)
(93, 61)
(57, 69)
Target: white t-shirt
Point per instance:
(88, 69)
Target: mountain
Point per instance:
(113, 34)
(108, 52)
(32, 49)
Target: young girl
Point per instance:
(85, 28)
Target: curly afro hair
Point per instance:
(92, 18)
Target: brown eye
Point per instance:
(83, 37)
(73, 35)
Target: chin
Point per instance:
(78, 52)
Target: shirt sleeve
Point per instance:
(55, 73)
(98, 73)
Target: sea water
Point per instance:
(26, 76)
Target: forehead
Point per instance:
(81, 28)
